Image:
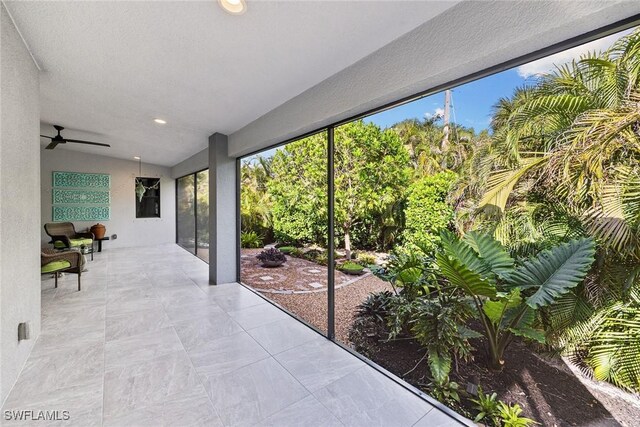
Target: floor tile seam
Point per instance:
(422, 417)
(24, 364)
(268, 356)
(281, 351)
(199, 377)
(256, 327)
(152, 359)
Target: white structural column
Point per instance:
(222, 211)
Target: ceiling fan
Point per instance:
(58, 139)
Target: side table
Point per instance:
(100, 242)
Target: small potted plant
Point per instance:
(352, 268)
(271, 258)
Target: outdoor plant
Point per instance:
(488, 407)
(437, 323)
(366, 259)
(250, 239)
(376, 306)
(271, 257)
(287, 249)
(510, 416)
(350, 267)
(445, 391)
(507, 295)
(411, 274)
(607, 344)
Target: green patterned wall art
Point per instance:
(81, 213)
(81, 180)
(64, 196)
(78, 196)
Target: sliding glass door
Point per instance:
(192, 213)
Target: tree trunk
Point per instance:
(347, 243)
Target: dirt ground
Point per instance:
(546, 389)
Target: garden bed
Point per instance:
(546, 389)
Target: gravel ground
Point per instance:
(297, 275)
(313, 307)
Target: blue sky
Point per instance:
(472, 102)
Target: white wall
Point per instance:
(469, 37)
(19, 202)
(195, 163)
(130, 230)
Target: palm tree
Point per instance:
(568, 148)
(576, 134)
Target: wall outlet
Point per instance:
(24, 332)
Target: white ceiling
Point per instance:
(110, 68)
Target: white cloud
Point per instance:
(438, 112)
(545, 65)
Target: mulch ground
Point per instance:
(546, 390)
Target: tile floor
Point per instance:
(148, 342)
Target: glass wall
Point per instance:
(202, 217)
(284, 227)
(192, 197)
(186, 213)
(453, 217)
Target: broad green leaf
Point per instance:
(462, 251)
(531, 333)
(440, 365)
(468, 333)
(491, 252)
(495, 310)
(526, 319)
(554, 272)
(461, 276)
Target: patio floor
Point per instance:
(148, 342)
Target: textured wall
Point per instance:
(223, 239)
(19, 202)
(130, 230)
(195, 163)
(467, 38)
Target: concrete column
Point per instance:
(222, 212)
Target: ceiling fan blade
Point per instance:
(51, 145)
(79, 141)
(45, 136)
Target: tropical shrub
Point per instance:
(287, 249)
(250, 239)
(510, 416)
(438, 325)
(376, 306)
(271, 256)
(506, 296)
(428, 213)
(366, 259)
(488, 407)
(371, 171)
(605, 345)
(411, 274)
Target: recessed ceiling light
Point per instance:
(136, 157)
(234, 7)
(160, 121)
